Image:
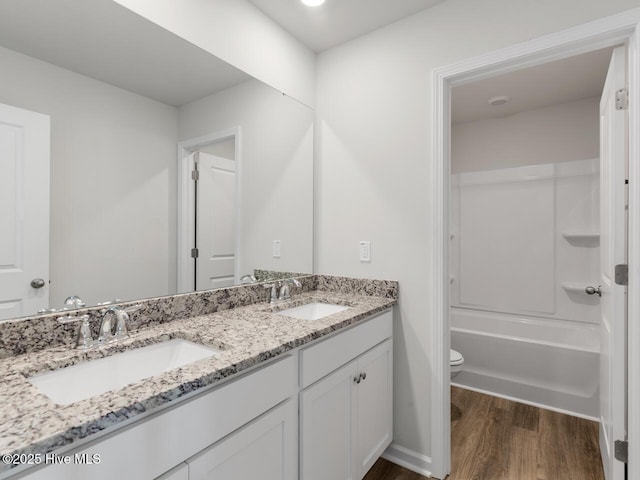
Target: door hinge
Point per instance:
(622, 99)
(621, 449)
(622, 274)
(195, 175)
(194, 253)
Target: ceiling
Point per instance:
(104, 40)
(552, 83)
(337, 21)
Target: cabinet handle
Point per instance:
(360, 377)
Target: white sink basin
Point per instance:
(313, 311)
(94, 377)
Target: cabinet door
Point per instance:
(326, 427)
(266, 449)
(374, 410)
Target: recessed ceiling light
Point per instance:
(312, 3)
(499, 100)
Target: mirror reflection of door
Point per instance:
(24, 211)
(215, 217)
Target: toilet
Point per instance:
(456, 362)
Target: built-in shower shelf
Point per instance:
(582, 239)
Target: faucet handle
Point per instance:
(51, 310)
(84, 339)
(71, 318)
(293, 281)
(274, 294)
(132, 308)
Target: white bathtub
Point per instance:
(548, 363)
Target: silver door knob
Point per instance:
(37, 283)
(593, 290)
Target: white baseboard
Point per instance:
(414, 461)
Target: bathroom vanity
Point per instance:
(280, 397)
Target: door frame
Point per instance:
(622, 28)
(186, 200)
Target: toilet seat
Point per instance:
(455, 358)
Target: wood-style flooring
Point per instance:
(496, 439)
(384, 470)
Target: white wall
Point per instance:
(113, 182)
(374, 151)
(276, 164)
(558, 133)
(240, 34)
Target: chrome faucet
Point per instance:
(107, 333)
(248, 279)
(106, 326)
(71, 303)
(280, 290)
(285, 292)
(74, 302)
(84, 339)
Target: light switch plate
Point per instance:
(365, 251)
(276, 249)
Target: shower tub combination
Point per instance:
(547, 363)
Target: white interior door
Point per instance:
(24, 211)
(215, 222)
(613, 221)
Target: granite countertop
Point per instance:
(246, 336)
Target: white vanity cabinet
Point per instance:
(346, 417)
(374, 407)
(158, 445)
(326, 427)
(267, 449)
(323, 411)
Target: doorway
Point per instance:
(215, 210)
(209, 211)
(24, 211)
(525, 248)
(604, 33)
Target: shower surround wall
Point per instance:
(524, 245)
(524, 240)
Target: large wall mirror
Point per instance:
(134, 164)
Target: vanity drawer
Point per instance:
(326, 356)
